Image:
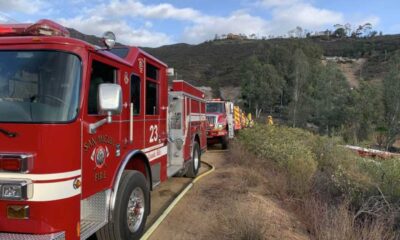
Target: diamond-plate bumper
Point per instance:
(15, 236)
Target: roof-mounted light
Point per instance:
(47, 28)
(109, 39)
(12, 29)
(6, 30)
(43, 27)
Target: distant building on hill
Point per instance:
(232, 36)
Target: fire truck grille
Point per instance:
(211, 119)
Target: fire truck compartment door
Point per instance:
(177, 136)
(229, 114)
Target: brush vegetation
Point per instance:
(338, 194)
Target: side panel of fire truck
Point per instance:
(187, 126)
(230, 120)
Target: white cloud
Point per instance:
(285, 15)
(373, 20)
(238, 22)
(23, 6)
(277, 3)
(148, 24)
(304, 15)
(116, 14)
(136, 8)
(3, 19)
(97, 25)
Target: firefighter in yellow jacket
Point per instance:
(270, 121)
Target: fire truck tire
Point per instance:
(131, 209)
(196, 161)
(224, 142)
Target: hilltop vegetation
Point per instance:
(288, 79)
(220, 60)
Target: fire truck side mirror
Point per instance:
(110, 103)
(110, 99)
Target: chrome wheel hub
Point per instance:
(135, 210)
(196, 159)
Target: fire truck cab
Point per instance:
(86, 133)
(220, 122)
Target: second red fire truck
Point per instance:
(86, 133)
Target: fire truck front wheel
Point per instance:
(195, 162)
(131, 209)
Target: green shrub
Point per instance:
(386, 177)
(288, 150)
(312, 161)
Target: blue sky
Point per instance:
(155, 23)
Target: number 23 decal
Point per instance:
(153, 133)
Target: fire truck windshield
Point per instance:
(39, 86)
(215, 107)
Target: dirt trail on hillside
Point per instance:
(352, 71)
(223, 206)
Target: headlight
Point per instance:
(14, 190)
(220, 126)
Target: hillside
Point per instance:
(218, 63)
(221, 60)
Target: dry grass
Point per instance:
(239, 223)
(251, 178)
(327, 222)
(239, 156)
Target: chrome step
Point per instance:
(16, 236)
(88, 228)
(94, 213)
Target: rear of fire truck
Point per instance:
(218, 127)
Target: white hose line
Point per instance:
(160, 219)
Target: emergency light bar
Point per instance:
(6, 30)
(43, 27)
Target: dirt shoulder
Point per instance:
(228, 204)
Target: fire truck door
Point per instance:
(100, 148)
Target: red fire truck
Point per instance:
(220, 122)
(86, 133)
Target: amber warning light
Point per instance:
(43, 27)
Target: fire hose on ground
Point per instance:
(162, 217)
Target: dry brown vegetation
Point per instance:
(336, 196)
